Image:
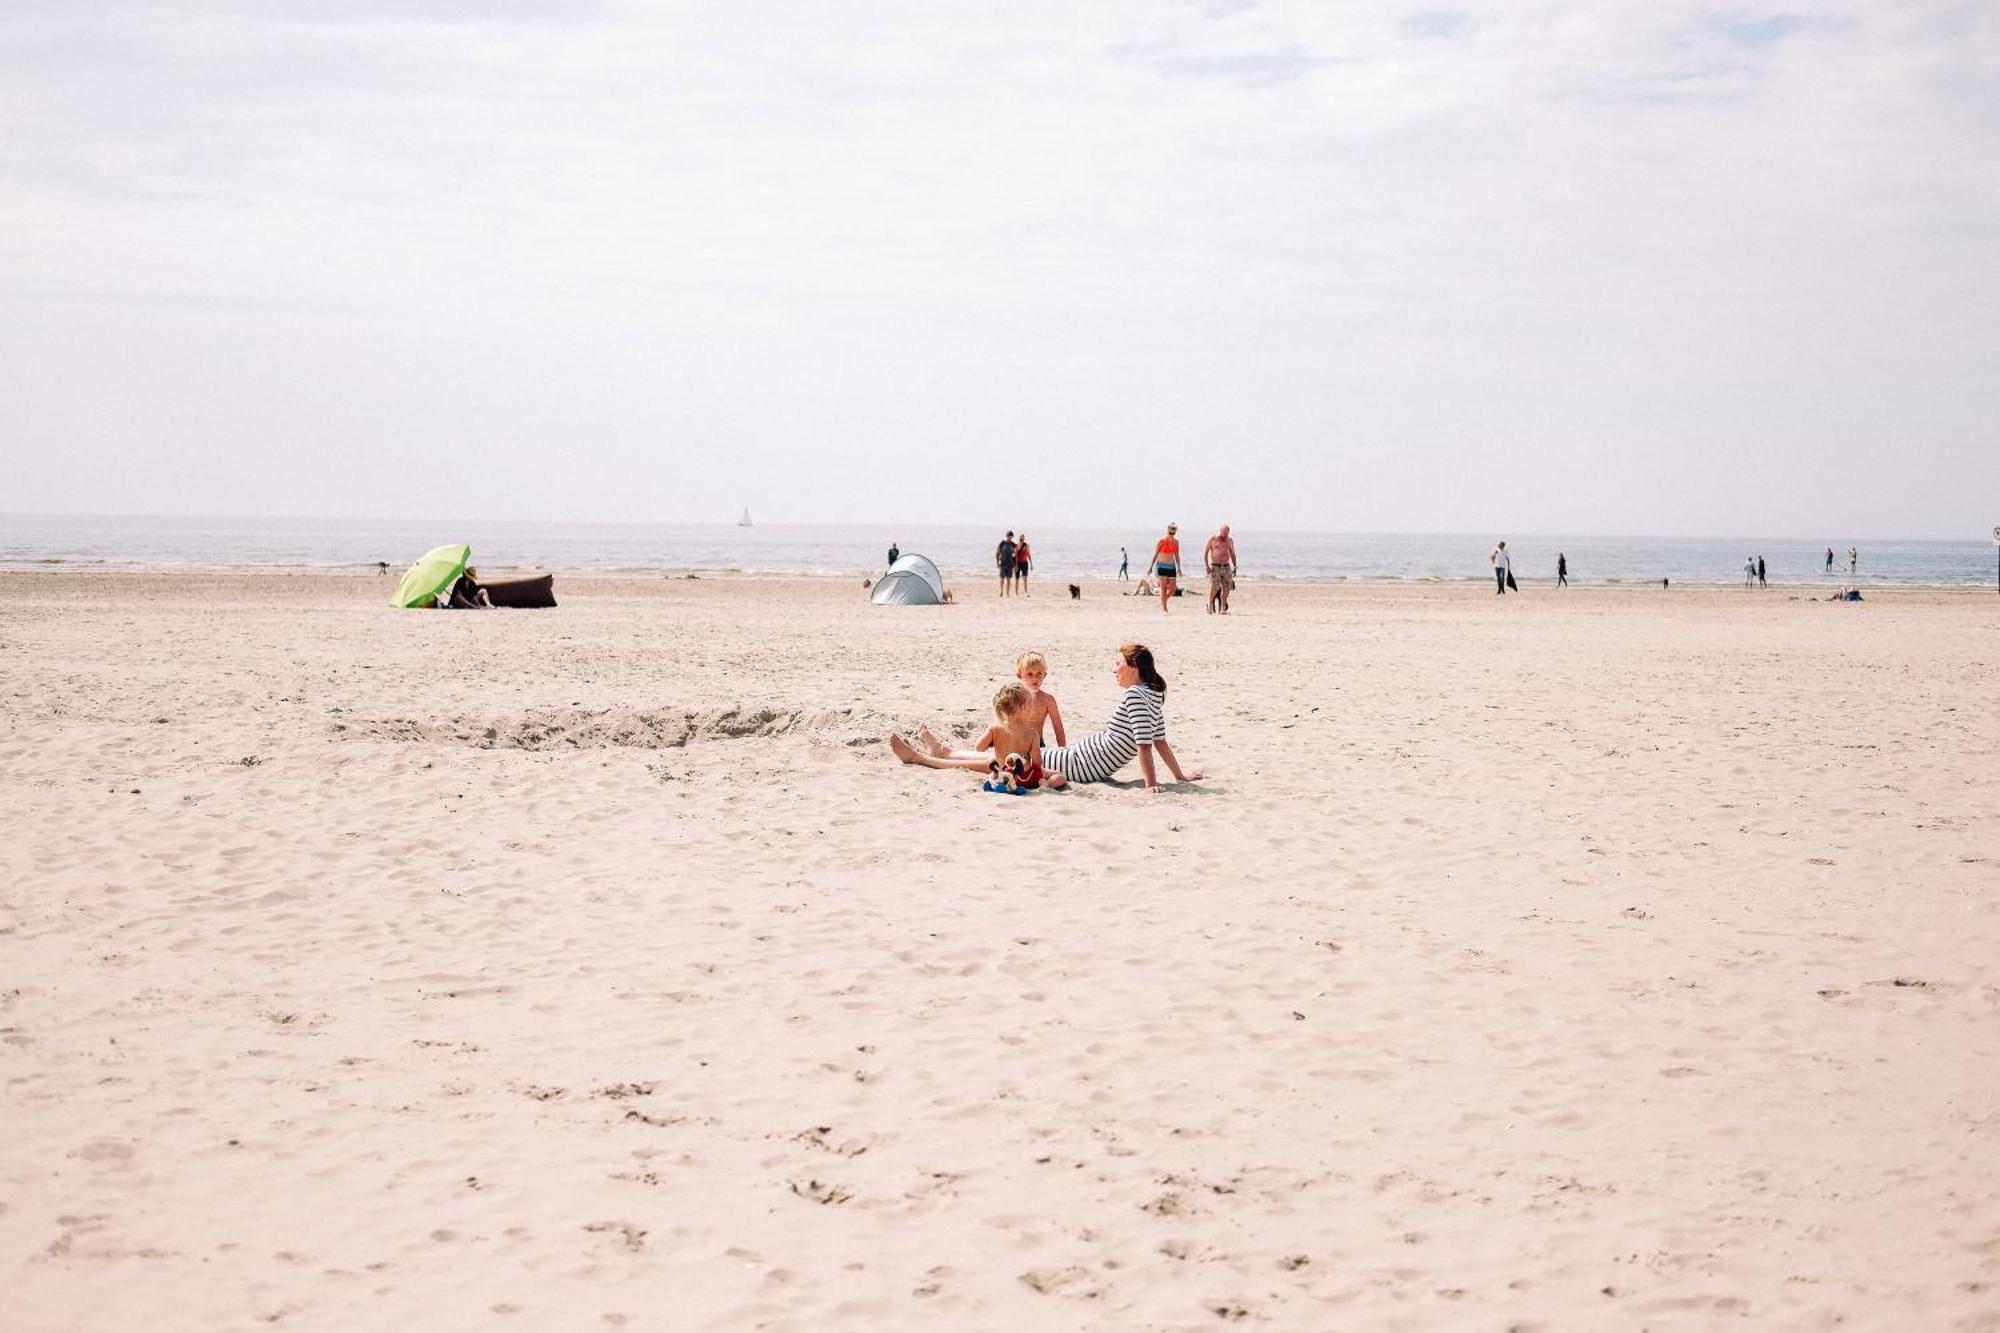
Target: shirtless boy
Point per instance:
(1009, 734)
(1031, 669)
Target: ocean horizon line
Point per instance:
(890, 527)
(966, 552)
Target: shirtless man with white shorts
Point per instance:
(1219, 556)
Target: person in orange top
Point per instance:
(1167, 564)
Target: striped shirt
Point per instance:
(1141, 719)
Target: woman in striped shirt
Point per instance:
(1137, 730)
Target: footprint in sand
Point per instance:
(106, 1151)
(633, 1238)
(820, 1192)
(1070, 1281)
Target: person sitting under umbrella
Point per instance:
(466, 594)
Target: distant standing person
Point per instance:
(1853, 559)
(1167, 564)
(1003, 556)
(1503, 565)
(894, 554)
(1021, 558)
(1219, 559)
(1562, 570)
(1749, 570)
(1124, 566)
(1760, 572)
(1829, 560)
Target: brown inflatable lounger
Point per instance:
(537, 591)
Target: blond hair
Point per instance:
(1031, 658)
(1011, 699)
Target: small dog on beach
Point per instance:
(1075, 593)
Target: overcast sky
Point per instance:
(1527, 266)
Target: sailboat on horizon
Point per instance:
(745, 522)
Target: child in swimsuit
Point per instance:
(1031, 669)
(1009, 734)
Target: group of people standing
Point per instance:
(1014, 559)
(1218, 562)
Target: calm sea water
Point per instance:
(48, 541)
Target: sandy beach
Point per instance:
(1616, 958)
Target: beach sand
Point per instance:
(1614, 958)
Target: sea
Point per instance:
(59, 542)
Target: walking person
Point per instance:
(1829, 560)
(1503, 569)
(1853, 559)
(1562, 570)
(1760, 572)
(1219, 559)
(1124, 566)
(1021, 558)
(1749, 570)
(1167, 565)
(1003, 556)
(895, 553)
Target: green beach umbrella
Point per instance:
(438, 570)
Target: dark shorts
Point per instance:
(1007, 569)
(1164, 572)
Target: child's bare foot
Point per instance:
(928, 739)
(1055, 782)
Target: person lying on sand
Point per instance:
(1137, 730)
(1009, 734)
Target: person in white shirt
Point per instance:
(1503, 565)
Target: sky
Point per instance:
(1528, 266)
